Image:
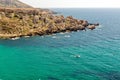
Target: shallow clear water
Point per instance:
(53, 57)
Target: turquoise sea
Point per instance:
(52, 57)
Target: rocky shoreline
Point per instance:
(17, 22)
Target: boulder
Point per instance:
(69, 17)
(85, 23)
(81, 27)
(97, 24)
(2, 14)
(35, 19)
(91, 27)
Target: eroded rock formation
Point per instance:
(17, 22)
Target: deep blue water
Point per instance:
(53, 57)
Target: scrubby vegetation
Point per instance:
(17, 22)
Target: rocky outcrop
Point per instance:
(17, 22)
(91, 27)
(13, 4)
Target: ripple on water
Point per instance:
(67, 36)
(54, 37)
(52, 78)
(108, 75)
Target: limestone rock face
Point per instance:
(13, 3)
(17, 22)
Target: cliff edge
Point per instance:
(13, 4)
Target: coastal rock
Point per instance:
(81, 27)
(30, 22)
(69, 17)
(85, 23)
(0, 16)
(91, 27)
(35, 19)
(95, 24)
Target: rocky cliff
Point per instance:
(13, 4)
(18, 22)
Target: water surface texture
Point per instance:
(54, 57)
